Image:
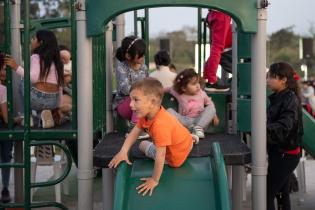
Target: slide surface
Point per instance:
(308, 141)
(200, 184)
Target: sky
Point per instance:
(281, 14)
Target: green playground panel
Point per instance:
(220, 102)
(99, 73)
(244, 115)
(101, 12)
(244, 79)
(243, 45)
(169, 101)
(308, 141)
(200, 183)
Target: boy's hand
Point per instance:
(120, 156)
(148, 186)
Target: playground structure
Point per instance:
(91, 29)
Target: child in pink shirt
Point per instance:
(46, 75)
(195, 109)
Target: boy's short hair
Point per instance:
(149, 86)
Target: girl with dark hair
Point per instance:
(46, 73)
(130, 67)
(284, 132)
(195, 108)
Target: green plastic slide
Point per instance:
(308, 141)
(201, 183)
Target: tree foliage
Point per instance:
(283, 45)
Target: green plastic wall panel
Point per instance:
(244, 115)
(244, 79)
(169, 101)
(243, 45)
(99, 94)
(244, 12)
(308, 141)
(220, 102)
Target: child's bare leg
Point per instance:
(148, 148)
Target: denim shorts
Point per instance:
(42, 100)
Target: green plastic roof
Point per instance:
(100, 12)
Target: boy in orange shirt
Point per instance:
(172, 142)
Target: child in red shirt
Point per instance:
(221, 49)
(172, 142)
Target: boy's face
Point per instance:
(141, 104)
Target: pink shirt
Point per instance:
(192, 105)
(35, 69)
(3, 94)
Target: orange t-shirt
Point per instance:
(167, 131)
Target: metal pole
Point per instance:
(108, 180)
(27, 106)
(120, 28)
(15, 8)
(238, 171)
(237, 187)
(109, 72)
(199, 40)
(135, 24)
(146, 36)
(85, 112)
(234, 79)
(16, 50)
(258, 111)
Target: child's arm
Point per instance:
(151, 182)
(4, 112)
(122, 155)
(216, 120)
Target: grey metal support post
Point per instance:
(135, 24)
(199, 11)
(108, 180)
(120, 28)
(258, 111)
(234, 79)
(109, 72)
(16, 49)
(237, 171)
(15, 8)
(85, 111)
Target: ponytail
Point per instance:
(120, 54)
